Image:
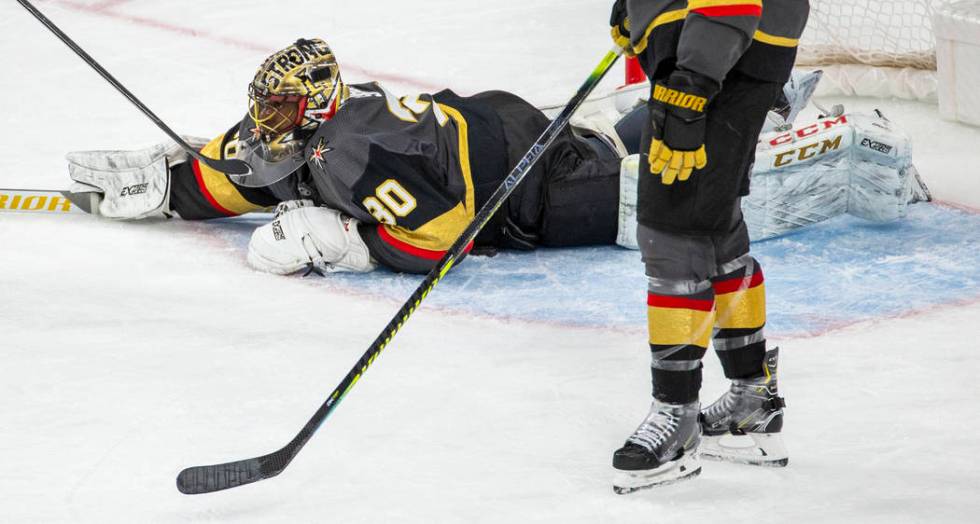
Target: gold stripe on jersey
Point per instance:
(464, 158)
(224, 193)
(437, 234)
(661, 19)
(779, 41)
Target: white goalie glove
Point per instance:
(131, 184)
(303, 236)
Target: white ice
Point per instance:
(130, 351)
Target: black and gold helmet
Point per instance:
(292, 92)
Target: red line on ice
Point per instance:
(106, 4)
(844, 324)
(954, 205)
(105, 9)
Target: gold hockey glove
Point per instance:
(620, 22)
(677, 111)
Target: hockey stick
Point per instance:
(48, 201)
(205, 479)
(231, 166)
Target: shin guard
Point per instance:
(680, 315)
(740, 303)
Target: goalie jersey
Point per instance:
(401, 166)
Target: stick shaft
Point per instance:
(205, 479)
(227, 166)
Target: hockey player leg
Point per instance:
(664, 448)
(305, 236)
(744, 425)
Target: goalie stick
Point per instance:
(206, 479)
(231, 166)
(48, 201)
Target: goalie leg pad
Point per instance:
(304, 236)
(628, 180)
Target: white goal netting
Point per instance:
(879, 33)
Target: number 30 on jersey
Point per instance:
(390, 200)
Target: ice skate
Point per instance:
(663, 450)
(743, 426)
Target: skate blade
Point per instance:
(684, 468)
(752, 449)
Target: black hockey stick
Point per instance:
(205, 479)
(230, 166)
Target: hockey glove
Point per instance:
(620, 22)
(677, 111)
(305, 236)
(132, 184)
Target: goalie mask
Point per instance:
(293, 91)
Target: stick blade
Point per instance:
(231, 166)
(216, 477)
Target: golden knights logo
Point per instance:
(316, 154)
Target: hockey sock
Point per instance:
(740, 302)
(680, 316)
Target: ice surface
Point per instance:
(836, 273)
(129, 351)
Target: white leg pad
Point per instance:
(628, 181)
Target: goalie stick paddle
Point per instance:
(231, 166)
(206, 479)
(49, 201)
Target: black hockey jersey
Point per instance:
(712, 37)
(401, 166)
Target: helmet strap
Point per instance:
(301, 111)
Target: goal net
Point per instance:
(879, 33)
(880, 48)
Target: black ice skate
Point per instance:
(743, 426)
(663, 450)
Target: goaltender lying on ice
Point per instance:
(359, 177)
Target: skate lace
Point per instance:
(655, 430)
(722, 408)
